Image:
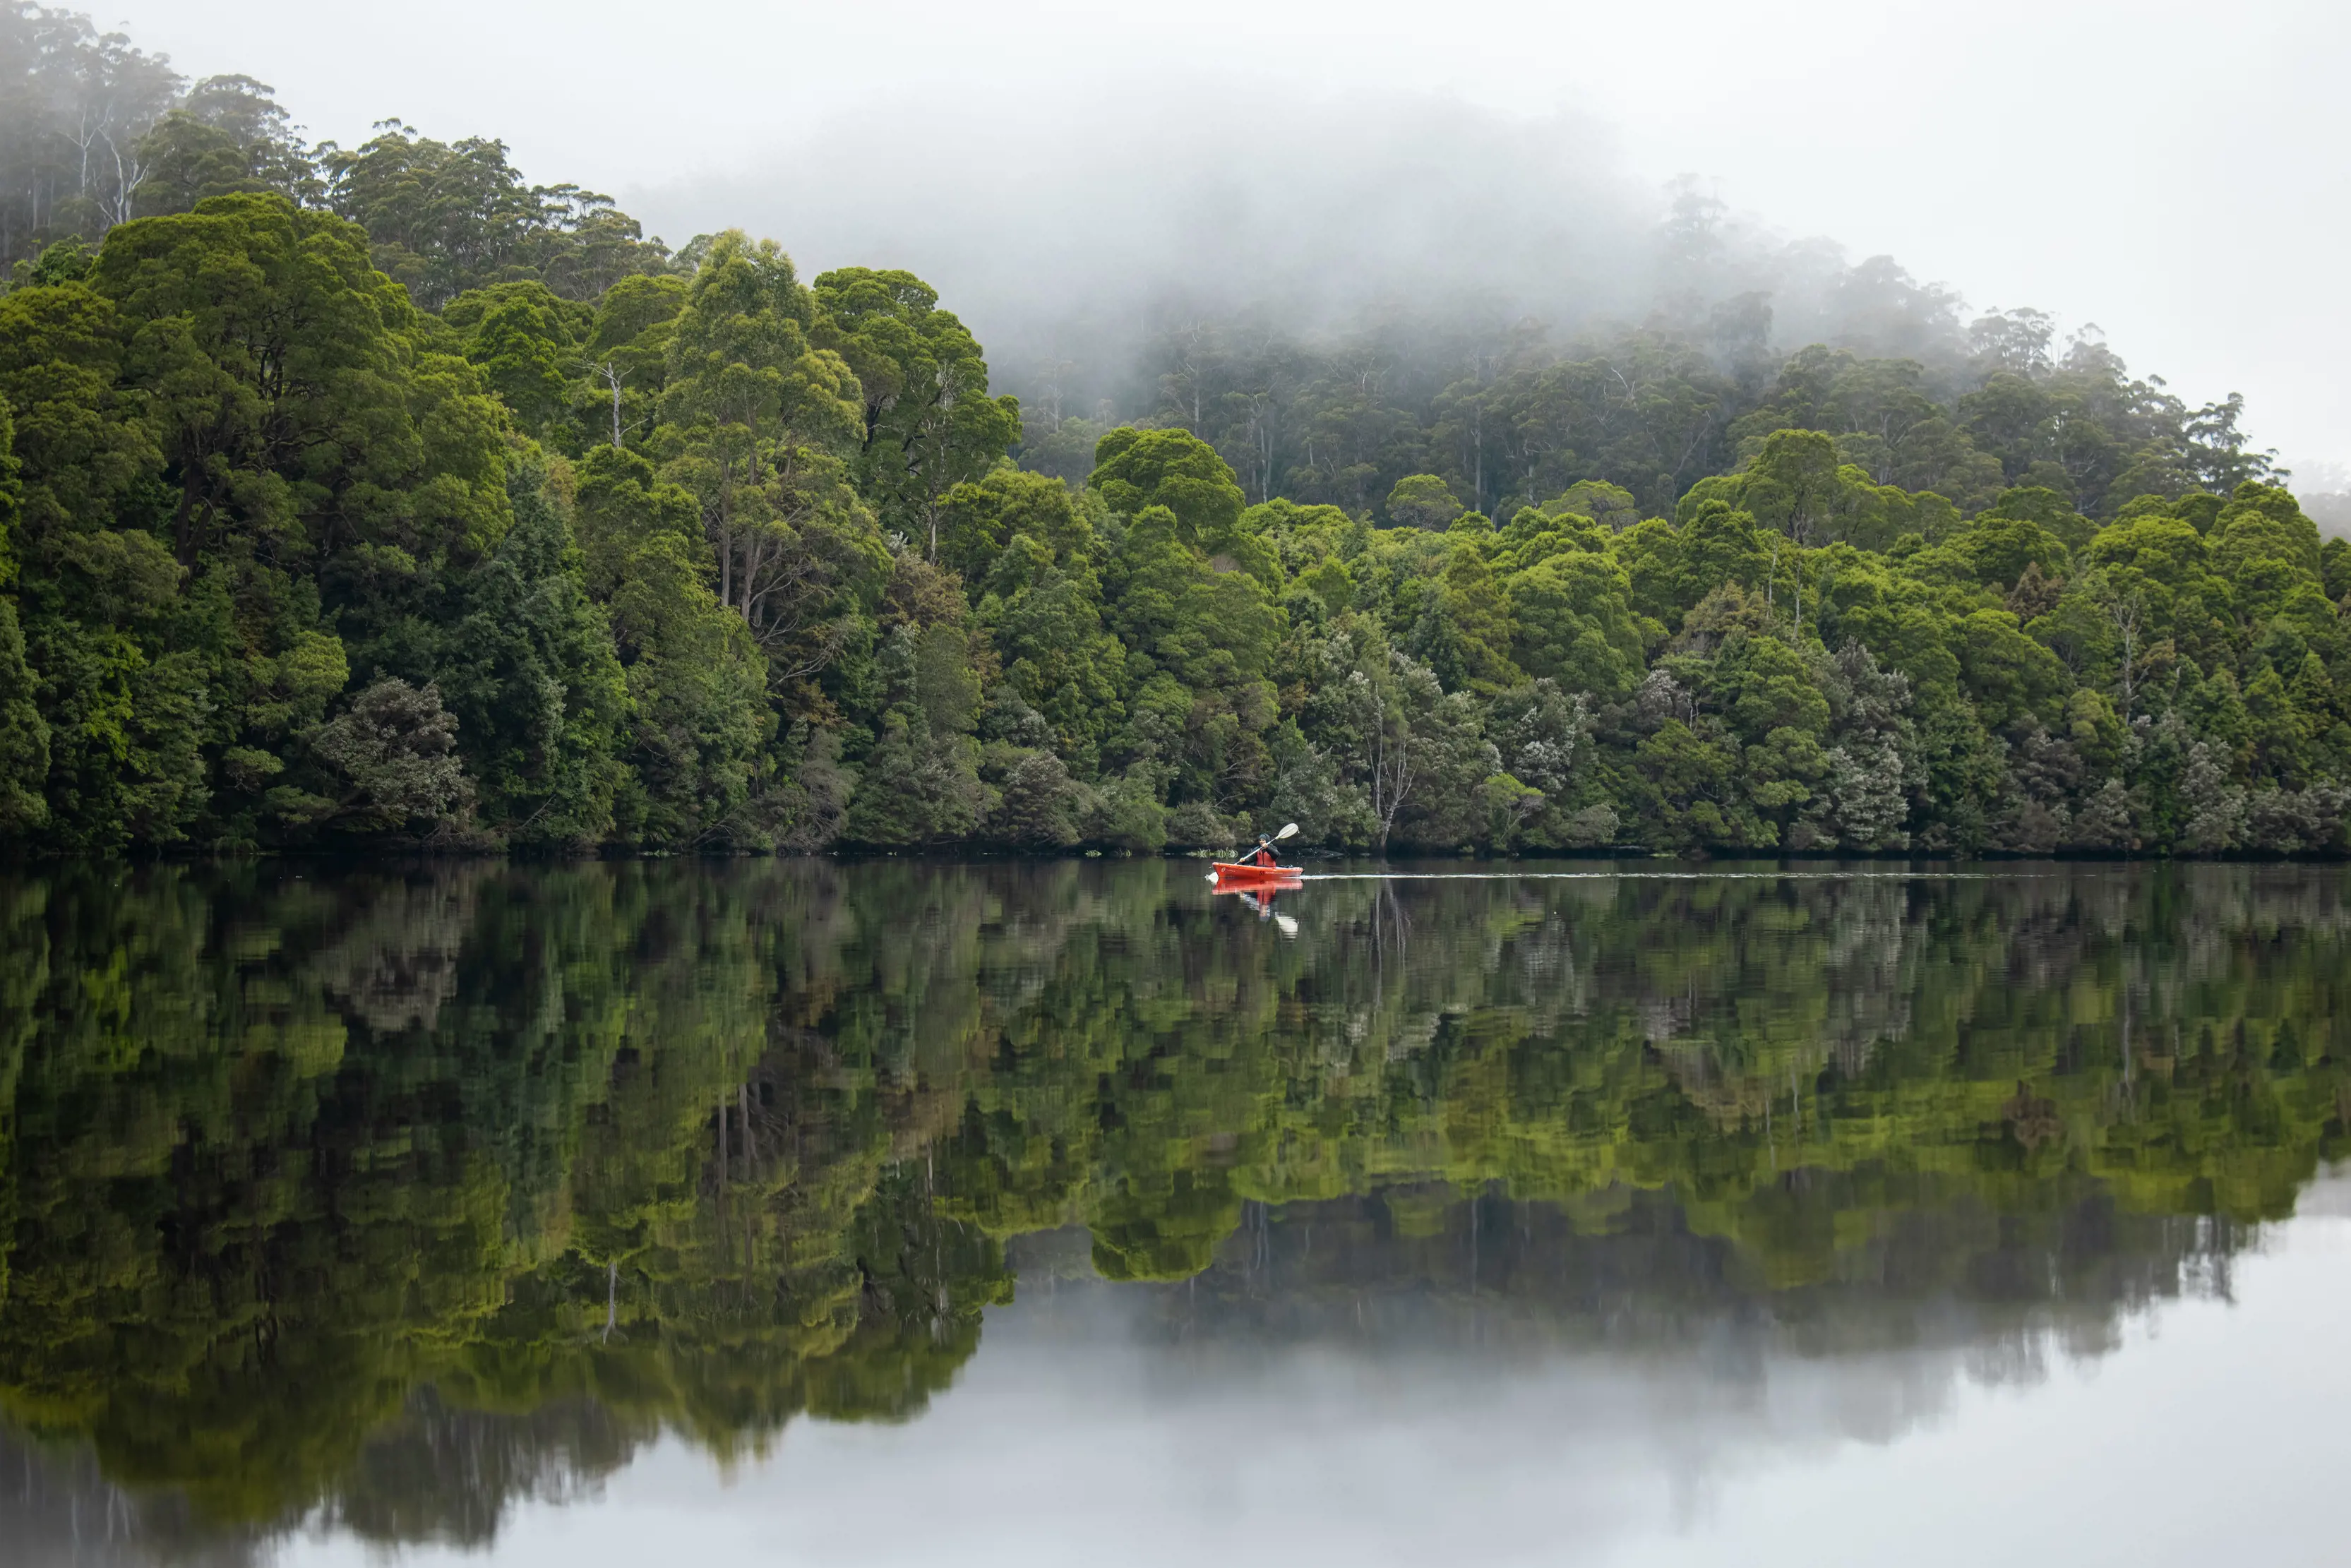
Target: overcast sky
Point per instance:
(2175, 172)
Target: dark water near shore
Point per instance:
(1064, 1212)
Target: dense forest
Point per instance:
(397, 1194)
(377, 495)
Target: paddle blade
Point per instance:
(1285, 832)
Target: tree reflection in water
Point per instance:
(379, 1199)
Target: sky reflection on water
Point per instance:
(2210, 1434)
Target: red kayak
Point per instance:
(1228, 875)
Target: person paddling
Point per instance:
(1263, 855)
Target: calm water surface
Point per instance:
(809, 1212)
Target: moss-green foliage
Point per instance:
(665, 533)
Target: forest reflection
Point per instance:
(375, 1201)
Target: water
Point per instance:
(1050, 1213)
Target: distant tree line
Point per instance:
(377, 495)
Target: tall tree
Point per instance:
(929, 423)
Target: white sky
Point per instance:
(2176, 172)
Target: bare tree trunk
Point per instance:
(612, 378)
(1391, 764)
(1477, 454)
(2124, 615)
(84, 139)
(127, 181)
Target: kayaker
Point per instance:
(1263, 855)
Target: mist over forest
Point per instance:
(1304, 216)
(1381, 465)
(1207, 242)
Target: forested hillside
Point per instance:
(375, 496)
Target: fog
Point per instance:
(2171, 172)
(1301, 210)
